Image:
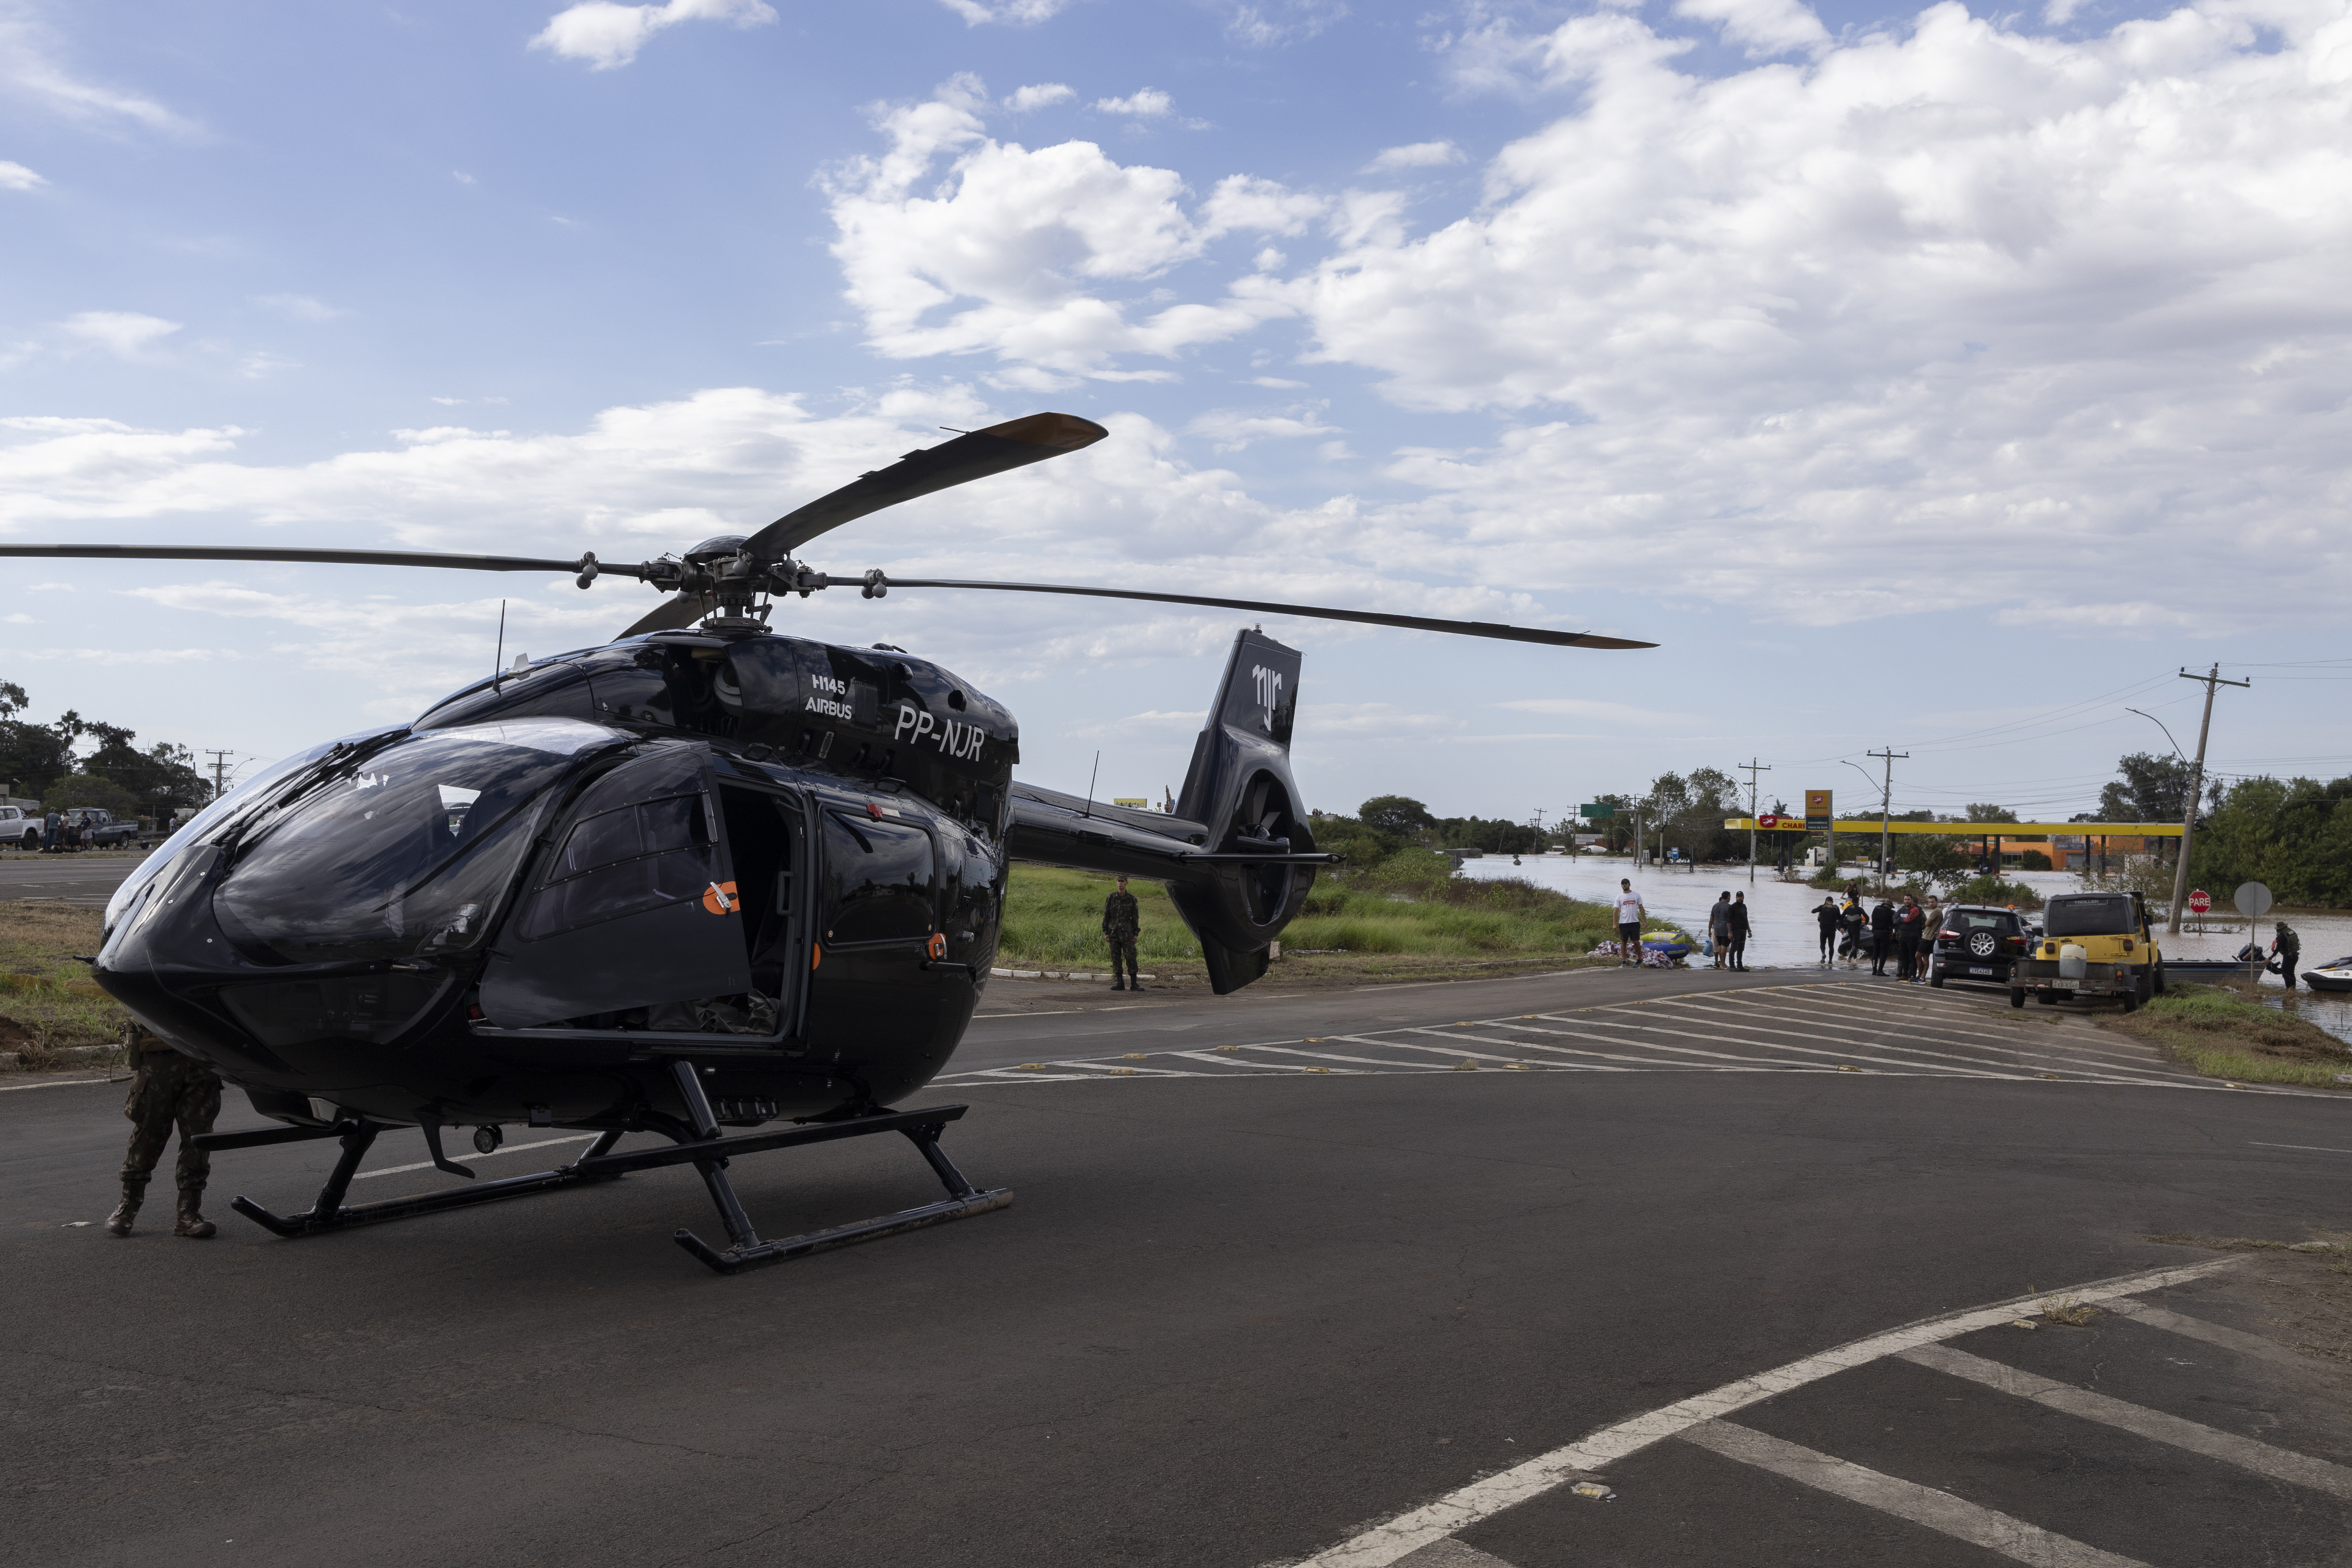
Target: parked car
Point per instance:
(19, 829)
(1980, 943)
(99, 829)
(2096, 944)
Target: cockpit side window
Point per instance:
(634, 855)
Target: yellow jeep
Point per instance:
(2093, 944)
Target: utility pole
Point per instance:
(220, 771)
(1885, 807)
(1751, 768)
(2196, 788)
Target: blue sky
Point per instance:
(1921, 377)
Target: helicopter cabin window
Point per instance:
(618, 862)
(882, 880)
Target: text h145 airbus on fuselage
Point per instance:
(705, 876)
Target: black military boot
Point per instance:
(119, 1221)
(193, 1224)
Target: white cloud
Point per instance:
(1021, 12)
(1144, 103)
(31, 73)
(1933, 307)
(1018, 252)
(16, 177)
(1232, 429)
(121, 332)
(301, 308)
(1275, 382)
(608, 36)
(1766, 27)
(1042, 95)
(1245, 202)
(1416, 155)
(1279, 22)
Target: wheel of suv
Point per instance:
(2017, 995)
(1983, 943)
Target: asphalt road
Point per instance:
(88, 878)
(1238, 1317)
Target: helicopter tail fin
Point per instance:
(1240, 785)
(1237, 856)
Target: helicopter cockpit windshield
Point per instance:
(406, 854)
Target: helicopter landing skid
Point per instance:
(708, 1154)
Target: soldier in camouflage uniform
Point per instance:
(169, 1090)
(1122, 922)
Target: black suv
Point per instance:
(1979, 942)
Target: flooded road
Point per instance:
(1784, 935)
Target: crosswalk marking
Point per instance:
(1385, 1543)
(1814, 1028)
(2211, 1333)
(1939, 1511)
(2247, 1454)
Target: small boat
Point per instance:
(1673, 945)
(2336, 976)
(2186, 968)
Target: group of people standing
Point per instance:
(1905, 933)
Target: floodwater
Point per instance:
(1783, 933)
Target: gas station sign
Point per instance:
(1818, 819)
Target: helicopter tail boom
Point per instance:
(1236, 853)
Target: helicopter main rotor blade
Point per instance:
(674, 614)
(327, 557)
(974, 455)
(1316, 612)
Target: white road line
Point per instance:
(1959, 1065)
(1475, 1055)
(1881, 1043)
(507, 1148)
(60, 1083)
(2019, 1041)
(2016, 1040)
(1385, 1543)
(1939, 1511)
(2212, 1333)
(2025, 1054)
(2281, 1464)
(1230, 1060)
(1452, 1554)
(2306, 1148)
(1749, 1064)
(1652, 1063)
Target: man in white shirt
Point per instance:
(1629, 924)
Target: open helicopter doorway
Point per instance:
(671, 906)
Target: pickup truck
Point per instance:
(18, 829)
(100, 830)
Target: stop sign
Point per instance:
(2199, 901)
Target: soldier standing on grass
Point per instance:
(1122, 922)
(168, 1089)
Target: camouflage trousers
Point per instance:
(1122, 951)
(170, 1090)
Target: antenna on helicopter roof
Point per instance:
(1090, 782)
(500, 656)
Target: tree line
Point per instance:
(45, 762)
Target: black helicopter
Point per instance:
(690, 880)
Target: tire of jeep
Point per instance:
(2131, 1000)
(2017, 996)
(2159, 977)
(2045, 998)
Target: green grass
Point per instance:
(2224, 1035)
(47, 998)
(1410, 907)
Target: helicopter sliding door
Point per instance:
(637, 909)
